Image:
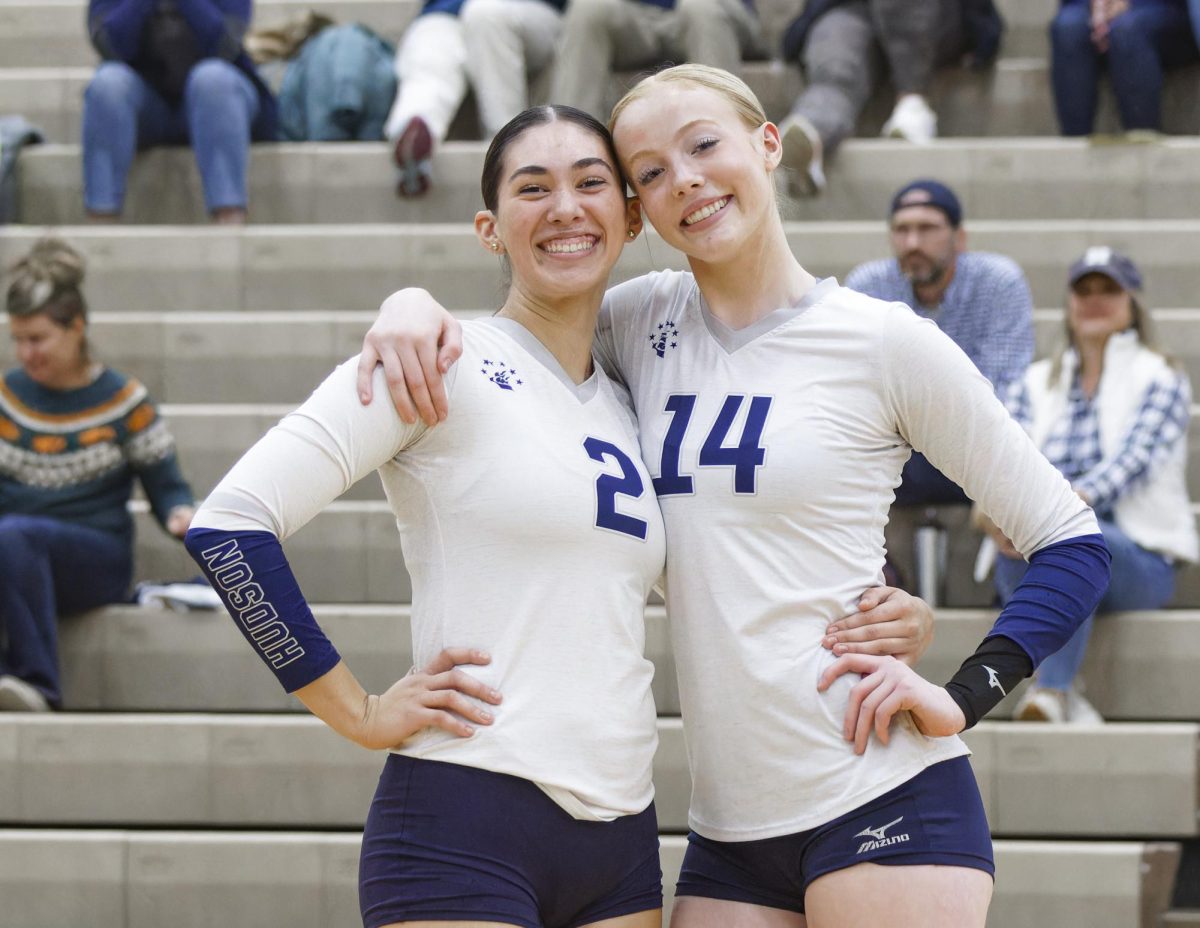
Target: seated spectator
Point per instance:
(508, 43)
(338, 87)
(981, 300)
(174, 72)
(601, 36)
(1111, 413)
(847, 47)
(496, 44)
(1136, 41)
(73, 435)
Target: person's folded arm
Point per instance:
(115, 27)
(1159, 425)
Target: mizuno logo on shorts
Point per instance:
(878, 837)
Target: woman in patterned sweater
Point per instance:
(73, 434)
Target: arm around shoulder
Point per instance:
(415, 339)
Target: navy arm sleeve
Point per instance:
(255, 582)
(1063, 585)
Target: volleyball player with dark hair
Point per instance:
(531, 544)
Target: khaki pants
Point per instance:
(600, 36)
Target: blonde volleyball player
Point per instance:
(775, 413)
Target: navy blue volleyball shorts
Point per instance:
(444, 842)
(935, 818)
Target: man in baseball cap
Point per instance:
(979, 299)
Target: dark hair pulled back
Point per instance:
(493, 161)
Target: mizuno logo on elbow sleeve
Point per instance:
(246, 599)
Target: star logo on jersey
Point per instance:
(501, 374)
(665, 338)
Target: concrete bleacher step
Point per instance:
(1176, 332)
(1011, 99)
(287, 771)
(211, 438)
(53, 32)
(1140, 665)
(352, 267)
(350, 553)
(1181, 918)
(961, 590)
(329, 183)
(132, 879)
(278, 358)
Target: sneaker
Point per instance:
(1080, 711)
(412, 156)
(18, 696)
(1041, 704)
(912, 120)
(802, 156)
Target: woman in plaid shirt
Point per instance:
(1111, 413)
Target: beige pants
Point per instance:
(600, 36)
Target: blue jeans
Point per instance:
(1141, 579)
(48, 567)
(122, 113)
(1143, 43)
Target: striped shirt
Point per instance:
(74, 454)
(987, 310)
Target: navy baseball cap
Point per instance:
(1100, 259)
(927, 192)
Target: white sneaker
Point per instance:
(18, 696)
(912, 120)
(802, 156)
(1041, 704)
(1080, 711)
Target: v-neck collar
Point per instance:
(583, 392)
(732, 339)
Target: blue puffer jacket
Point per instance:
(339, 88)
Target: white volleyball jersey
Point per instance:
(530, 529)
(775, 450)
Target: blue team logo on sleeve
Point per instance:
(665, 338)
(500, 374)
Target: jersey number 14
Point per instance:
(746, 457)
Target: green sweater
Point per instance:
(73, 454)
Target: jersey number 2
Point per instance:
(610, 486)
(746, 457)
